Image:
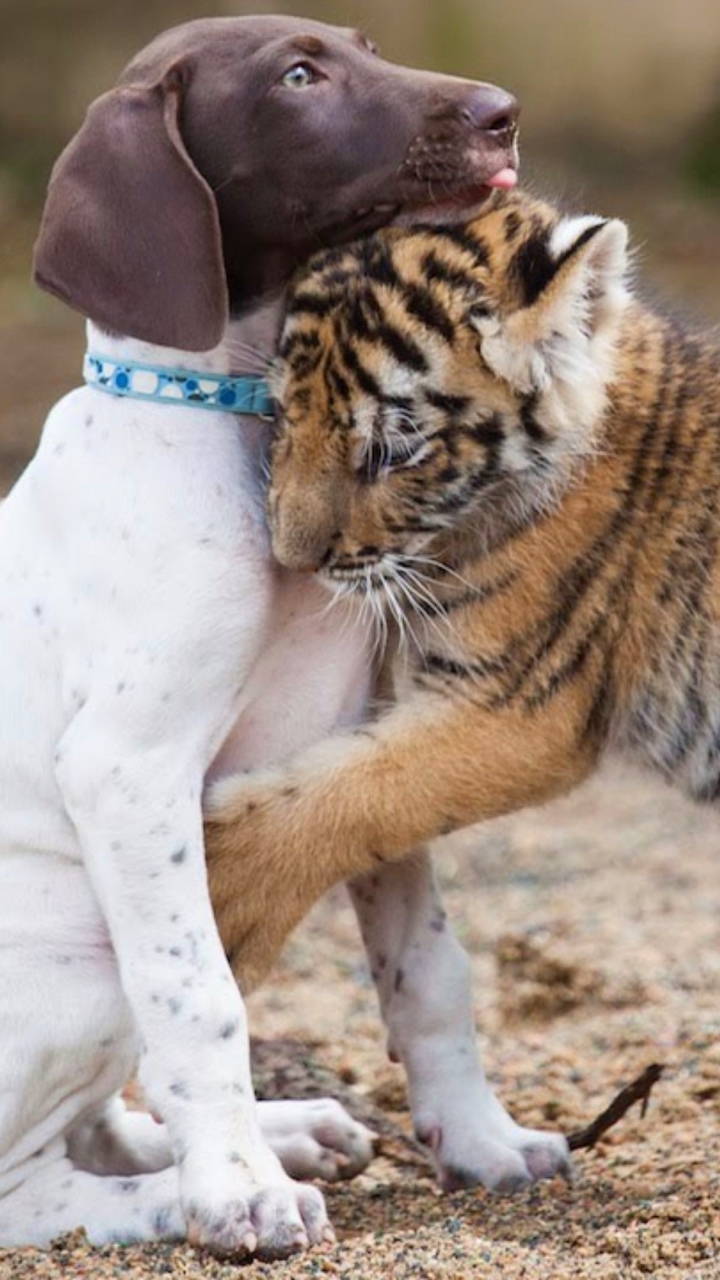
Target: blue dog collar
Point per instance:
(248, 394)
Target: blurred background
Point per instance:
(621, 115)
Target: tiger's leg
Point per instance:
(435, 763)
(423, 980)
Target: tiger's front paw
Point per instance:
(240, 796)
(259, 871)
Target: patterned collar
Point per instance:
(248, 394)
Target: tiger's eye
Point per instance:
(301, 76)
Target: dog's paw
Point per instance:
(501, 1167)
(274, 1221)
(318, 1139)
(489, 1149)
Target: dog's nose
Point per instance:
(492, 110)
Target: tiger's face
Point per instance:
(425, 373)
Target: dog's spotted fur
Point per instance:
(147, 638)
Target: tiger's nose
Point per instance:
(298, 547)
(299, 559)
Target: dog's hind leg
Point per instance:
(68, 1044)
(57, 1198)
(115, 1140)
(422, 975)
(315, 1138)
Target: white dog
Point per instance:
(147, 641)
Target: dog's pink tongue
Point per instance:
(504, 180)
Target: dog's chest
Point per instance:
(122, 534)
(125, 531)
(313, 677)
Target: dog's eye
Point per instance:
(301, 76)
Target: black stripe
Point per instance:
(599, 717)
(401, 346)
(335, 279)
(305, 363)
(488, 432)
(363, 377)
(338, 384)
(588, 234)
(311, 304)
(356, 319)
(305, 339)
(571, 666)
(477, 669)
(405, 403)
(512, 225)
(422, 305)
(462, 238)
(449, 404)
(379, 267)
(533, 266)
(464, 494)
(529, 423)
(435, 268)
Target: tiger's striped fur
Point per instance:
(484, 434)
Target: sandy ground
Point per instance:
(593, 927)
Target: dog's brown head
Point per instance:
(233, 147)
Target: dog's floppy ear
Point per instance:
(130, 233)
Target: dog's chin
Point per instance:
(448, 205)
(434, 204)
(362, 222)
(446, 210)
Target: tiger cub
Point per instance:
(485, 437)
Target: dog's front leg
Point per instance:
(135, 802)
(423, 979)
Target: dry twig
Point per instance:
(638, 1091)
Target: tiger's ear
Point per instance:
(569, 294)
